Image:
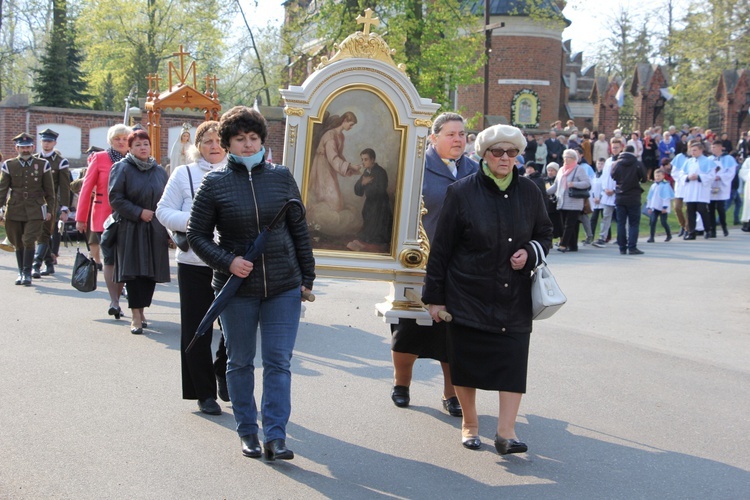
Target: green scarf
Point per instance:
(501, 183)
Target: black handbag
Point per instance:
(109, 236)
(180, 238)
(83, 277)
(578, 192)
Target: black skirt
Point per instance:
(486, 360)
(424, 341)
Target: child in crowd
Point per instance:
(659, 199)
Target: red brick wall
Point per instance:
(516, 57)
(645, 101)
(13, 122)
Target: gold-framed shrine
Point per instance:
(179, 95)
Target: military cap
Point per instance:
(93, 149)
(49, 135)
(24, 140)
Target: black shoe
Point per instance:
(144, 324)
(115, 311)
(211, 407)
(35, 273)
(668, 238)
(682, 232)
(26, 279)
(745, 227)
(635, 251)
(223, 389)
(472, 443)
(251, 446)
(689, 236)
(726, 233)
(276, 449)
(623, 252)
(453, 407)
(49, 270)
(400, 396)
(136, 331)
(650, 240)
(508, 446)
(19, 280)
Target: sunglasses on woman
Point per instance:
(499, 152)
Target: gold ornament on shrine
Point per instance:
(364, 44)
(180, 94)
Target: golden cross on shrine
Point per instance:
(368, 21)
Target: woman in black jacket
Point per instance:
(136, 184)
(237, 202)
(479, 270)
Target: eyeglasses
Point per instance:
(499, 152)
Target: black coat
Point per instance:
(469, 269)
(238, 206)
(142, 248)
(628, 172)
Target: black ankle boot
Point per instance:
(277, 450)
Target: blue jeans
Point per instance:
(279, 319)
(630, 214)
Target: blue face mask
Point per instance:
(249, 161)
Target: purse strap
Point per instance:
(190, 176)
(539, 251)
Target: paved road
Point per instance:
(638, 388)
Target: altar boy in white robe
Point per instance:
(697, 176)
(721, 188)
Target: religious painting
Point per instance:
(525, 109)
(352, 172)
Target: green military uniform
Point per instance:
(27, 186)
(48, 245)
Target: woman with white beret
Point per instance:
(479, 271)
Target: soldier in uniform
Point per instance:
(26, 184)
(48, 246)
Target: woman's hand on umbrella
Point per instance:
(518, 259)
(241, 267)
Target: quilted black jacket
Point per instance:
(239, 204)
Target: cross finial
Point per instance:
(368, 21)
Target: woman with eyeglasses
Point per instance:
(479, 271)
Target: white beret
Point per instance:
(553, 165)
(499, 133)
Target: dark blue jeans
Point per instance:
(278, 317)
(656, 216)
(630, 216)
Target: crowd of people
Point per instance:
(694, 173)
(493, 199)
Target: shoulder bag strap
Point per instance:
(190, 176)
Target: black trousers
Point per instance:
(570, 229)
(198, 368)
(694, 207)
(713, 207)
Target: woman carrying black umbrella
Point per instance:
(237, 202)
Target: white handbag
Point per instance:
(546, 296)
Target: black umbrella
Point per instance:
(233, 283)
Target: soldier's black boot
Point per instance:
(28, 262)
(39, 255)
(19, 260)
